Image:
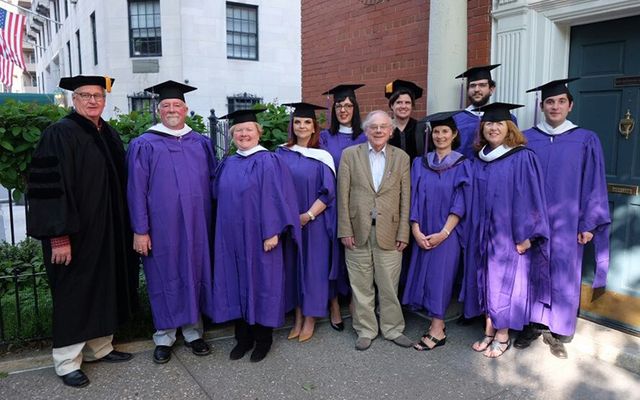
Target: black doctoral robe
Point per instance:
(411, 140)
(77, 187)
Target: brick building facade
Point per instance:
(351, 42)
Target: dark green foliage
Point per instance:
(275, 121)
(21, 125)
(21, 262)
(135, 123)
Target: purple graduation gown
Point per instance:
(255, 201)
(508, 207)
(169, 196)
(576, 190)
(435, 195)
(335, 144)
(468, 125)
(314, 180)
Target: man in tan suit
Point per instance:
(373, 224)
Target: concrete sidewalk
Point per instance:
(602, 364)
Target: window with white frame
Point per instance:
(242, 31)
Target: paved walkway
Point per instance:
(600, 367)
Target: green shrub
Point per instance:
(21, 262)
(133, 124)
(21, 125)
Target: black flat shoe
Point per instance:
(556, 346)
(260, 353)
(526, 337)
(338, 327)
(116, 356)
(239, 351)
(198, 347)
(162, 354)
(75, 378)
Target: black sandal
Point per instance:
(422, 346)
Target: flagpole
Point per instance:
(27, 10)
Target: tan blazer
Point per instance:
(357, 197)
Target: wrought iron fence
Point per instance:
(25, 305)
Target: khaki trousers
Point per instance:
(368, 264)
(69, 358)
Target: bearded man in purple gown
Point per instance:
(170, 171)
(573, 164)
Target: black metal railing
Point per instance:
(25, 305)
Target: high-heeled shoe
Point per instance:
(304, 337)
(293, 334)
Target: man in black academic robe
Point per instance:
(77, 207)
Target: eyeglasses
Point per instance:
(382, 127)
(98, 97)
(338, 107)
(482, 85)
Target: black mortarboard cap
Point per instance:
(304, 110)
(74, 82)
(170, 90)
(392, 87)
(553, 88)
(478, 73)
(344, 90)
(240, 116)
(442, 118)
(496, 112)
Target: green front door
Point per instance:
(606, 55)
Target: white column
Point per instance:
(447, 53)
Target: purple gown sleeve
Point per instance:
(594, 208)
(415, 213)
(327, 193)
(278, 197)
(138, 162)
(461, 190)
(530, 221)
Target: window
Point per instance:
(144, 28)
(29, 80)
(79, 52)
(69, 56)
(56, 13)
(29, 56)
(242, 101)
(95, 37)
(141, 101)
(242, 31)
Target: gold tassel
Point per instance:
(107, 81)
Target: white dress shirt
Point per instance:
(377, 161)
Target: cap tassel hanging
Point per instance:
(107, 82)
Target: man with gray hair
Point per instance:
(373, 225)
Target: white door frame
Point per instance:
(531, 39)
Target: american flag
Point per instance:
(6, 72)
(11, 36)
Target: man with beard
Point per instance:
(480, 87)
(170, 172)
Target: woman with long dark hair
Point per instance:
(314, 182)
(345, 130)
